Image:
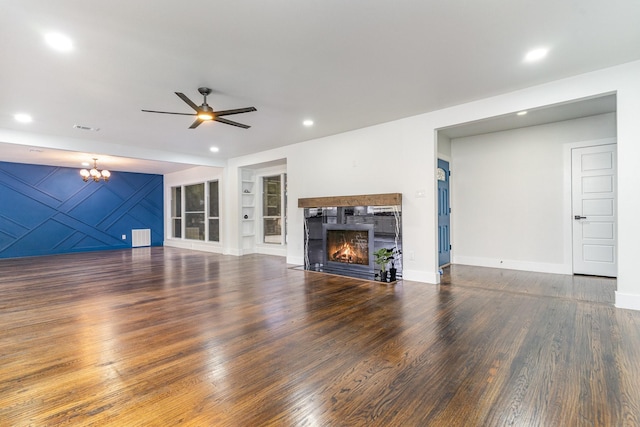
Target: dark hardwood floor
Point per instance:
(163, 337)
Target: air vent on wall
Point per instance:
(141, 237)
(85, 128)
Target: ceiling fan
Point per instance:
(205, 113)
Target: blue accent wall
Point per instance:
(49, 210)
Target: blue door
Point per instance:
(444, 214)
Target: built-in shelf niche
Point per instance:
(247, 209)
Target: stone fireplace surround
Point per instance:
(379, 213)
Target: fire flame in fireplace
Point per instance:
(344, 254)
(349, 247)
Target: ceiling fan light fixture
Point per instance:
(204, 112)
(205, 116)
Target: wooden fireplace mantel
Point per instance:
(388, 199)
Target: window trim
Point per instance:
(193, 212)
(283, 209)
(208, 208)
(204, 212)
(173, 209)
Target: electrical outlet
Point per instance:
(124, 237)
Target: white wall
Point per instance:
(187, 177)
(628, 293)
(388, 158)
(400, 156)
(444, 147)
(508, 198)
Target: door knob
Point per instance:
(579, 217)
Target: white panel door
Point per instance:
(593, 193)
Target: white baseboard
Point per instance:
(196, 246)
(266, 249)
(628, 301)
(295, 260)
(430, 277)
(538, 267)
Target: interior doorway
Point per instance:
(537, 259)
(444, 214)
(593, 202)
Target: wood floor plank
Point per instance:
(165, 336)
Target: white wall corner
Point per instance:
(628, 301)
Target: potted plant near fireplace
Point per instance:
(382, 258)
(393, 270)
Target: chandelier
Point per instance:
(94, 173)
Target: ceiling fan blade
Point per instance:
(229, 122)
(168, 112)
(236, 111)
(188, 101)
(196, 123)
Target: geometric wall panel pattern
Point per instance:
(48, 210)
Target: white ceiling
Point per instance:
(346, 65)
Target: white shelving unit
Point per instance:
(248, 200)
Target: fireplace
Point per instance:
(342, 233)
(348, 248)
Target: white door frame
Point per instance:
(260, 246)
(567, 223)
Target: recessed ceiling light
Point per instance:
(23, 118)
(59, 42)
(85, 164)
(214, 149)
(521, 113)
(308, 123)
(536, 54)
